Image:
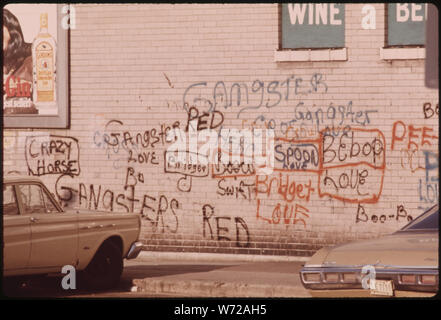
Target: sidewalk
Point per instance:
(218, 275)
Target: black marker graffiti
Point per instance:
(52, 154)
(238, 189)
(362, 216)
(430, 111)
(222, 229)
(77, 194)
(162, 216)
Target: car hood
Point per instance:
(398, 249)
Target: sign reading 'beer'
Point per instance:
(406, 23)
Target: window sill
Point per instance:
(402, 53)
(311, 55)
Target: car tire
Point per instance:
(105, 269)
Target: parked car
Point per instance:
(404, 263)
(39, 237)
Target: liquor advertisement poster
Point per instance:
(34, 66)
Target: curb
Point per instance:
(215, 257)
(197, 288)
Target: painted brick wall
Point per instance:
(134, 66)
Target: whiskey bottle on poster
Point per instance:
(44, 65)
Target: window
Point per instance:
(35, 199)
(312, 32)
(427, 221)
(9, 200)
(313, 25)
(406, 24)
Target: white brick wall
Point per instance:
(133, 63)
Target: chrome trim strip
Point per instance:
(378, 270)
(363, 265)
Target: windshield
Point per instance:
(429, 220)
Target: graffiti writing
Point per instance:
(78, 194)
(185, 183)
(286, 213)
(428, 187)
(238, 189)
(353, 165)
(354, 146)
(286, 187)
(115, 138)
(430, 111)
(52, 154)
(203, 120)
(297, 156)
(233, 169)
(133, 177)
(192, 164)
(143, 157)
(218, 227)
(315, 118)
(412, 136)
(268, 94)
(412, 159)
(292, 190)
(161, 213)
(401, 214)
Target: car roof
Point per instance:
(20, 178)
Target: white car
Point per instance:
(39, 237)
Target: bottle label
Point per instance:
(45, 84)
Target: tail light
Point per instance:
(331, 277)
(408, 279)
(349, 277)
(312, 277)
(428, 279)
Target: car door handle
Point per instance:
(33, 219)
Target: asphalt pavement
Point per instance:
(159, 274)
(217, 275)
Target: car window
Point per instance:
(9, 201)
(50, 207)
(35, 199)
(429, 220)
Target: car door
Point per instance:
(54, 233)
(16, 233)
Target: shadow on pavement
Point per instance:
(50, 286)
(144, 271)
